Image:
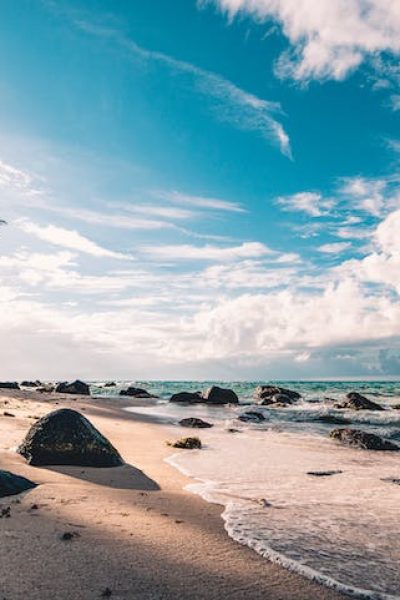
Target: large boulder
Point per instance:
(356, 401)
(76, 387)
(217, 395)
(194, 423)
(11, 484)
(187, 398)
(9, 385)
(66, 437)
(362, 439)
(136, 393)
(264, 393)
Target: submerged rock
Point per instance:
(333, 420)
(362, 439)
(218, 395)
(195, 423)
(356, 401)
(11, 484)
(137, 393)
(9, 385)
(66, 437)
(109, 384)
(189, 443)
(187, 397)
(76, 387)
(265, 394)
(251, 416)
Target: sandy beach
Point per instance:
(136, 532)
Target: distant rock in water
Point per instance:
(109, 384)
(276, 400)
(137, 393)
(11, 484)
(187, 397)
(32, 384)
(218, 395)
(189, 443)
(66, 437)
(195, 423)
(362, 439)
(76, 387)
(9, 385)
(266, 394)
(252, 417)
(333, 420)
(356, 401)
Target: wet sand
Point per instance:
(136, 532)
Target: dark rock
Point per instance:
(11, 484)
(275, 400)
(356, 401)
(8, 414)
(189, 443)
(217, 395)
(9, 385)
(323, 473)
(66, 437)
(333, 420)
(110, 384)
(5, 513)
(106, 593)
(265, 392)
(187, 397)
(233, 430)
(194, 423)
(69, 535)
(33, 384)
(76, 387)
(362, 439)
(394, 480)
(251, 416)
(137, 393)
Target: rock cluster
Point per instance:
(273, 395)
(356, 401)
(214, 395)
(136, 393)
(362, 439)
(76, 387)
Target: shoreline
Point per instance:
(137, 531)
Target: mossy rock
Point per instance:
(66, 437)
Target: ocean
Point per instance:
(341, 529)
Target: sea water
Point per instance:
(341, 529)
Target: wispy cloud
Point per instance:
(68, 238)
(334, 248)
(187, 252)
(200, 201)
(311, 203)
(230, 103)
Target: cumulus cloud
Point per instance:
(327, 39)
(67, 238)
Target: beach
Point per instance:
(136, 532)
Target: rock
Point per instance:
(323, 473)
(263, 392)
(252, 417)
(187, 397)
(33, 384)
(76, 387)
(8, 414)
(109, 384)
(66, 437)
(333, 420)
(217, 395)
(9, 385)
(356, 401)
(362, 439)
(194, 423)
(276, 400)
(137, 393)
(11, 484)
(189, 443)
(47, 387)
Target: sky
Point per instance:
(199, 190)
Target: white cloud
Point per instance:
(200, 201)
(67, 238)
(166, 212)
(328, 39)
(109, 219)
(334, 248)
(230, 103)
(394, 102)
(311, 203)
(186, 252)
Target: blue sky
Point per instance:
(208, 190)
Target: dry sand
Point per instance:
(136, 532)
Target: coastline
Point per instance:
(137, 531)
